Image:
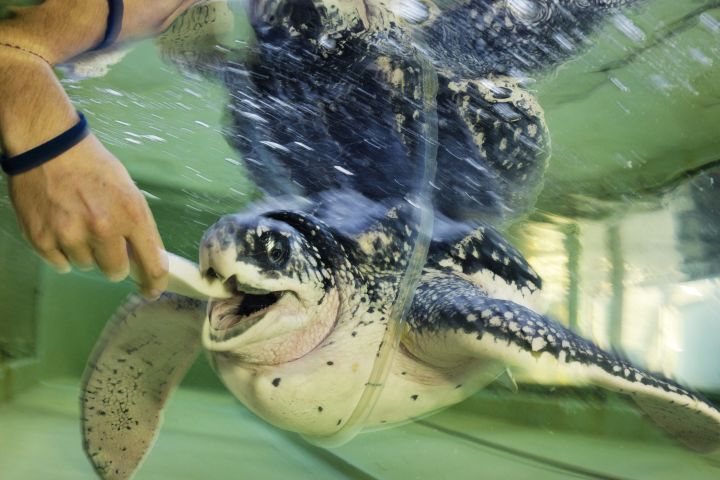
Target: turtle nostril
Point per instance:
(212, 274)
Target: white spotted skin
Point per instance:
(237, 251)
(296, 389)
(304, 363)
(144, 352)
(286, 332)
(309, 382)
(503, 289)
(417, 388)
(413, 389)
(366, 242)
(519, 338)
(689, 420)
(316, 398)
(487, 88)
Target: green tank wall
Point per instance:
(599, 108)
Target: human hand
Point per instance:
(83, 208)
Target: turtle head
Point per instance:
(286, 300)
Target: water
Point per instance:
(624, 234)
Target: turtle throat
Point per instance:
(252, 304)
(243, 310)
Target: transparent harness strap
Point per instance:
(425, 218)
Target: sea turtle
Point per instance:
(337, 87)
(329, 99)
(311, 291)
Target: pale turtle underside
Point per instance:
(325, 102)
(471, 318)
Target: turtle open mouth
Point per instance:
(242, 311)
(255, 303)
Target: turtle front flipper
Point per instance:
(142, 355)
(493, 148)
(452, 317)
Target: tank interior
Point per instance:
(626, 235)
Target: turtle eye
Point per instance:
(277, 253)
(277, 249)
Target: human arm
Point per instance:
(81, 207)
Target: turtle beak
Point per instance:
(233, 285)
(247, 306)
(218, 250)
(244, 309)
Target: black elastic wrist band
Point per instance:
(114, 23)
(47, 151)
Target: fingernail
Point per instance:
(118, 277)
(154, 294)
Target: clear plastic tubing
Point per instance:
(411, 277)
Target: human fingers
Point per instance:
(111, 257)
(46, 248)
(80, 255)
(55, 258)
(148, 253)
(71, 238)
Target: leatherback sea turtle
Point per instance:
(310, 304)
(331, 98)
(337, 87)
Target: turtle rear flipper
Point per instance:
(493, 148)
(452, 316)
(142, 355)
